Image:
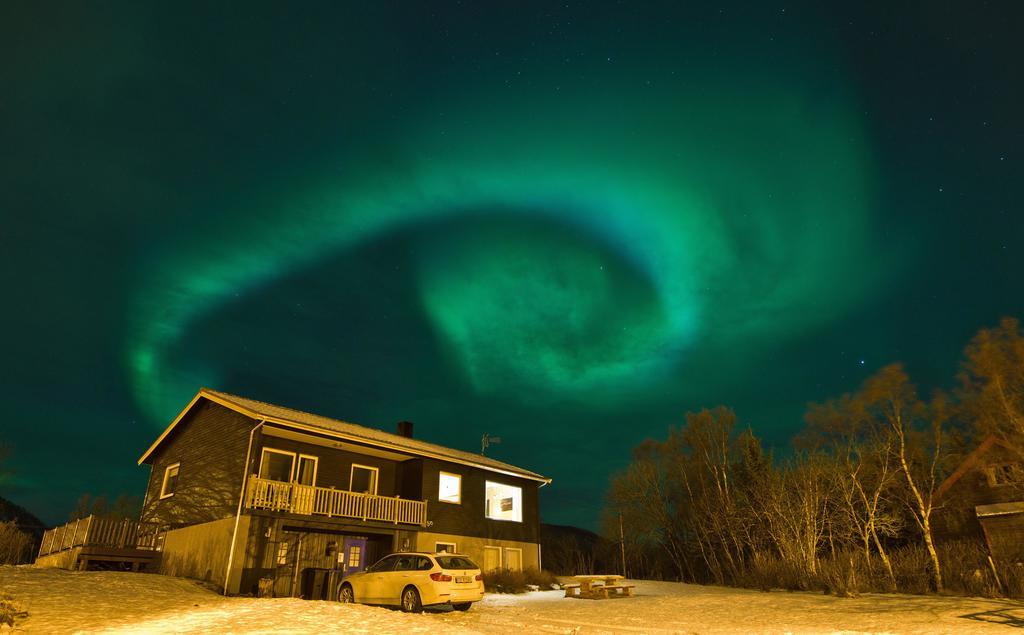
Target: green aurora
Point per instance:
(710, 214)
(564, 225)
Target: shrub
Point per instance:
(965, 569)
(10, 611)
(508, 581)
(540, 577)
(15, 545)
(911, 566)
(767, 572)
(839, 575)
(505, 581)
(1011, 574)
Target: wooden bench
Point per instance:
(571, 590)
(624, 590)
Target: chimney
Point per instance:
(405, 429)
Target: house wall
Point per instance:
(210, 443)
(198, 551)
(467, 518)
(956, 518)
(474, 548)
(1005, 536)
(334, 465)
(283, 547)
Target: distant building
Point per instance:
(242, 491)
(984, 499)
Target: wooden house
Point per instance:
(983, 499)
(245, 491)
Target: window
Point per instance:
(363, 479)
(413, 563)
(456, 562)
(449, 489)
(503, 502)
(354, 554)
(1004, 474)
(277, 465)
(282, 553)
(306, 474)
(445, 547)
(384, 564)
(170, 483)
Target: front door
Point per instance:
(354, 555)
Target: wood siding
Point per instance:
(334, 465)
(283, 548)
(210, 443)
(956, 518)
(467, 518)
(1005, 535)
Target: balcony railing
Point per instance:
(93, 531)
(263, 493)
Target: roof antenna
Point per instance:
(487, 441)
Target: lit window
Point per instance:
(444, 547)
(282, 553)
(503, 502)
(170, 483)
(354, 554)
(449, 489)
(363, 479)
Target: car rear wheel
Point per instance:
(462, 606)
(411, 600)
(345, 595)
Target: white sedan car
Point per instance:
(415, 580)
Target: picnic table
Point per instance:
(598, 587)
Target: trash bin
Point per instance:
(331, 582)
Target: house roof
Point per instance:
(289, 417)
(971, 460)
(999, 509)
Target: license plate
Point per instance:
(463, 579)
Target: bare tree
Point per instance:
(919, 452)
(124, 506)
(866, 479)
(992, 380)
(649, 503)
(15, 544)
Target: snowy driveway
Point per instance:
(64, 601)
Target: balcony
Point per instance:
(93, 531)
(308, 500)
(94, 539)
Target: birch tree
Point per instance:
(992, 379)
(919, 452)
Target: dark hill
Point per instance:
(567, 550)
(24, 519)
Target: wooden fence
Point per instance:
(94, 531)
(324, 501)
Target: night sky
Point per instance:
(561, 224)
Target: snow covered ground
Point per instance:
(65, 601)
